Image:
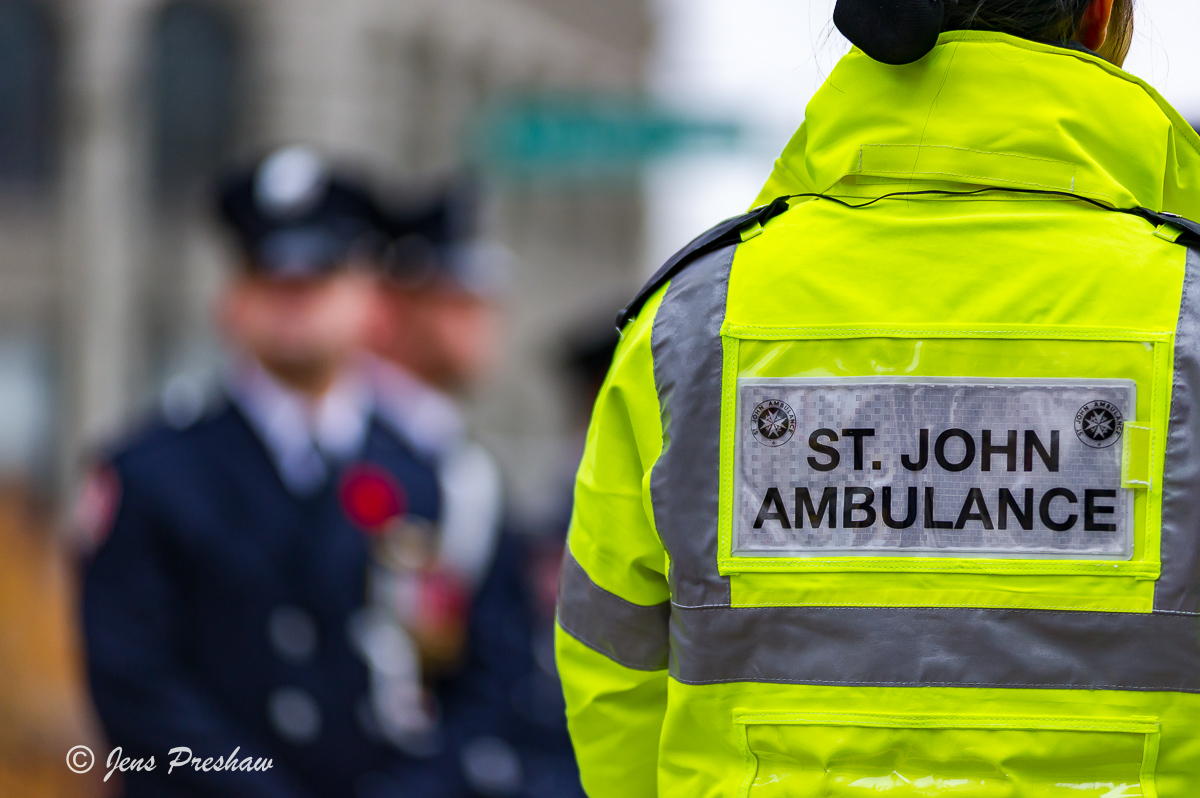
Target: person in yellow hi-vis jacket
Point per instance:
(894, 486)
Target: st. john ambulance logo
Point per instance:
(773, 423)
(1098, 424)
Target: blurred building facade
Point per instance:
(114, 114)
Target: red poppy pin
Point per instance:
(372, 498)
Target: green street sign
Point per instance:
(588, 136)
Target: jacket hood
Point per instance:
(988, 109)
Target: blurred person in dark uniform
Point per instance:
(242, 602)
(584, 358)
(435, 335)
(439, 334)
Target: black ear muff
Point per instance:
(892, 31)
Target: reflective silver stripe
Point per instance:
(685, 483)
(1177, 588)
(936, 647)
(630, 634)
(712, 642)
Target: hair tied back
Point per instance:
(891, 31)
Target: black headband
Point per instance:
(891, 31)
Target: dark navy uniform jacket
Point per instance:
(510, 690)
(206, 544)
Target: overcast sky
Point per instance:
(759, 61)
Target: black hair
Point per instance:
(1039, 20)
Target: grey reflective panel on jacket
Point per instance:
(630, 634)
(936, 647)
(712, 642)
(685, 482)
(1178, 588)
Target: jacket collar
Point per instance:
(988, 109)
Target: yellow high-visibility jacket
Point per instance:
(894, 486)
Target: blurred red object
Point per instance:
(96, 506)
(372, 498)
(444, 600)
(440, 625)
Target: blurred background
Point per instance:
(602, 135)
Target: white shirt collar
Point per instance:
(303, 436)
(424, 416)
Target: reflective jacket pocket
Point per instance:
(920, 756)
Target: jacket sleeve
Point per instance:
(146, 696)
(614, 600)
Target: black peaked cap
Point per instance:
(293, 218)
(434, 236)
